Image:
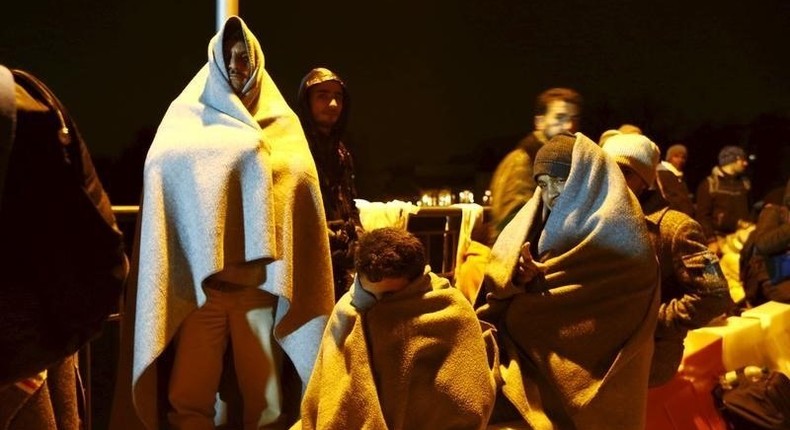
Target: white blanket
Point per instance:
(229, 192)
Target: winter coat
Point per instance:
(513, 182)
(693, 289)
(722, 201)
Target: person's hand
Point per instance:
(527, 268)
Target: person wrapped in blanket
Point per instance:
(573, 291)
(402, 350)
(232, 268)
(693, 288)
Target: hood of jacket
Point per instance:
(314, 77)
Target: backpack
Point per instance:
(752, 272)
(752, 398)
(62, 261)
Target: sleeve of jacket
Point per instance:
(697, 272)
(513, 185)
(772, 234)
(705, 210)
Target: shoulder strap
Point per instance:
(33, 84)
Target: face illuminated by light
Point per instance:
(739, 166)
(326, 104)
(238, 63)
(382, 287)
(550, 188)
(560, 116)
(678, 160)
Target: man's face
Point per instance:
(739, 165)
(560, 116)
(634, 181)
(326, 104)
(550, 188)
(678, 160)
(238, 66)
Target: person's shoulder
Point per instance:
(516, 153)
(514, 161)
(681, 226)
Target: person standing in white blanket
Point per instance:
(233, 252)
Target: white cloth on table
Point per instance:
(394, 213)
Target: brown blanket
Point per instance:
(413, 360)
(577, 355)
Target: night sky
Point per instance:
(440, 89)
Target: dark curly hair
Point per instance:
(389, 253)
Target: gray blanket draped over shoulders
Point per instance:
(578, 354)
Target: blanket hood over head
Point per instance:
(231, 192)
(579, 352)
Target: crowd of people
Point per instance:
(255, 299)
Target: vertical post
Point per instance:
(226, 8)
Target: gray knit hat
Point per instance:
(729, 154)
(554, 158)
(636, 152)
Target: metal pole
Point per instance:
(226, 8)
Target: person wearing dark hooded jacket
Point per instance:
(724, 197)
(61, 257)
(323, 107)
(772, 248)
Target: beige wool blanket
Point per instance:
(412, 360)
(576, 355)
(230, 191)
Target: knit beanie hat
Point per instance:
(636, 152)
(674, 150)
(554, 158)
(629, 129)
(729, 154)
(606, 135)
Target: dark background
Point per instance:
(441, 89)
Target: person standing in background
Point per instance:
(323, 107)
(723, 198)
(671, 181)
(556, 110)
